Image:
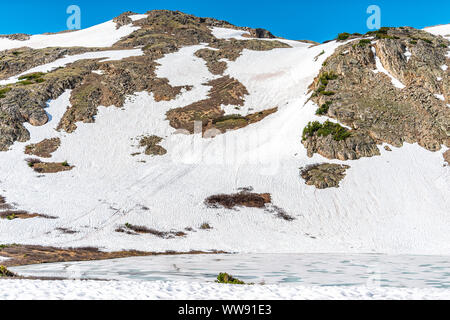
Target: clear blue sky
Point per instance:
(294, 19)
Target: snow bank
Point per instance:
(441, 30)
(102, 35)
(117, 290)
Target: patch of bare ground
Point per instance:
(151, 145)
(43, 149)
(48, 167)
(26, 254)
(224, 91)
(135, 230)
(20, 214)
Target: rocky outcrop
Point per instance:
(325, 175)
(447, 157)
(17, 61)
(355, 147)
(151, 145)
(25, 102)
(349, 91)
(16, 36)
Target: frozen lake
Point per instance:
(286, 269)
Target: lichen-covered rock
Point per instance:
(324, 176)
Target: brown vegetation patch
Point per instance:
(20, 214)
(132, 229)
(152, 147)
(324, 175)
(241, 199)
(26, 255)
(48, 167)
(43, 149)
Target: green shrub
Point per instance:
(327, 76)
(4, 91)
(364, 42)
(6, 273)
(338, 132)
(32, 76)
(225, 278)
(25, 82)
(324, 108)
(343, 36)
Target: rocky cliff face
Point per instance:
(354, 89)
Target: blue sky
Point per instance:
(298, 19)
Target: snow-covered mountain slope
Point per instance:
(397, 202)
(441, 30)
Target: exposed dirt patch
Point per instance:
(26, 255)
(241, 199)
(151, 145)
(135, 230)
(48, 167)
(43, 149)
(325, 175)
